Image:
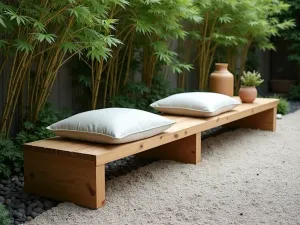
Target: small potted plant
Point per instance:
(250, 80)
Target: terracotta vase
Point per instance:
(247, 94)
(221, 80)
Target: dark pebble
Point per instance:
(28, 211)
(38, 210)
(14, 206)
(48, 204)
(29, 218)
(17, 202)
(22, 211)
(4, 182)
(21, 220)
(5, 193)
(7, 201)
(33, 205)
(34, 214)
(18, 183)
(17, 215)
(241, 214)
(2, 199)
(38, 202)
(7, 189)
(28, 203)
(21, 206)
(24, 195)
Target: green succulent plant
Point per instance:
(251, 79)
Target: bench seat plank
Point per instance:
(184, 127)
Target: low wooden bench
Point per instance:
(74, 171)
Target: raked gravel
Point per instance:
(245, 177)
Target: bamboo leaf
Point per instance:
(40, 26)
(50, 38)
(69, 47)
(2, 21)
(3, 44)
(23, 46)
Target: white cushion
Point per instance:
(111, 125)
(200, 104)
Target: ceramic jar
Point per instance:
(221, 80)
(247, 94)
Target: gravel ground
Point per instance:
(24, 207)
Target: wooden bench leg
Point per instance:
(185, 150)
(65, 178)
(265, 120)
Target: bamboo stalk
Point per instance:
(14, 86)
(128, 61)
(106, 83)
(3, 63)
(97, 83)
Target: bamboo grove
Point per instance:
(38, 38)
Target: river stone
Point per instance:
(21, 206)
(7, 201)
(28, 211)
(48, 204)
(17, 214)
(38, 210)
(33, 205)
(22, 211)
(34, 214)
(6, 189)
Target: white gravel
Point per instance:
(245, 177)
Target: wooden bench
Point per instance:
(74, 171)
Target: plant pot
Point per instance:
(247, 94)
(282, 86)
(221, 80)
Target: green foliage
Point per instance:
(233, 27)
(11, 155)
(251, 79)
(4, 216)
(293, 35)
(37, 131)
(139, 96)
(146, 29)
(11, 158)
(294, 93)
(283, 106)
(42, 36)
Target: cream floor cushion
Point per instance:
(111, 125)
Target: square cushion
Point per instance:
(111, 125)
(200, 104)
